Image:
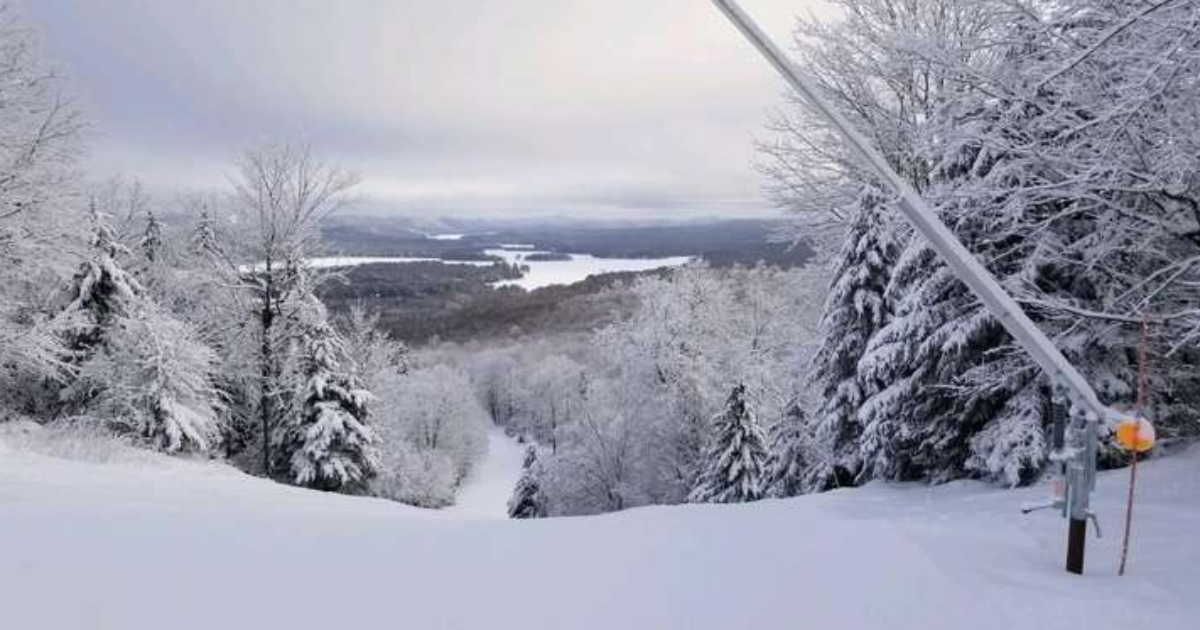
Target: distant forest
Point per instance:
(720, 242)
(424, 302)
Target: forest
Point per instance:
(1059, 140)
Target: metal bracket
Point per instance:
(1095, 523)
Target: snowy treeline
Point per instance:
(1060, 141)
(626, 416)
(192, 326)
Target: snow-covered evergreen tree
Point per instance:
(736, 458)
(527, 500)
(102, 288)
(151, 243)
(205, 242)
(890, 68)
(1042, 162)
(917, 425)
(856, 309)
(154, 268)
(327, 442)
(282, 194)
(101, 293)
(786, 465)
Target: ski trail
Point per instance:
(486, 492)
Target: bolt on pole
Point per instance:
(956, 256)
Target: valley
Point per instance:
(489, 280)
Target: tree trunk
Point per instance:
(266, 372)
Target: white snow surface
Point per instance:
(548, 273)
(148, 542)
(486, 492)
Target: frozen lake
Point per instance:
(564, 272)
(540, 273)
(332, 262)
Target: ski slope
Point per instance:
(143, 542)
(487, 491)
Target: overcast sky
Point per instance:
(574, 107)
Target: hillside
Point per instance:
(147, 542)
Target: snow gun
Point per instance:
(1076, 451)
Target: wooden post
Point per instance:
(1076, 541)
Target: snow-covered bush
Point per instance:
(79, 439)
(153, 378)
(414, 476)
(433, 430)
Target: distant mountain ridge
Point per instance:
(720, 242)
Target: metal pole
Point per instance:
(1082, 481)
(953, 252)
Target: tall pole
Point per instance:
(960, 261)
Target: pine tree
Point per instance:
(161, 271)
(857, 308)
(285, 192)
(101, 293)
(786, 462)
(102, 288)
(152, 239)
(138, 369)
(958, 398)
(327, 442)
(736, 457)
(934, 365)
(919, 423)
(204, 242)
(527, 500)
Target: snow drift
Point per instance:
(151, 542)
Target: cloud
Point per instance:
(488, 106)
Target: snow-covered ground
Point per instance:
(487, 491)
(147, 542)
(547, 273)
